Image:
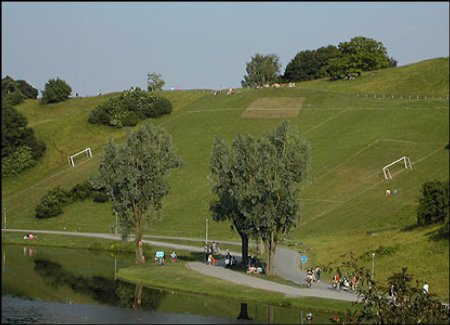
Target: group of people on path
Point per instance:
(343, 283)
(313, 275)
(393, 291)
(210, 251)
(254, 266)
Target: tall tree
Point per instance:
(358, 55)
(229, 180)
(283, 163)
(257, 185)
(310, 65)
(434, 204)
(134, 175)
(154, 82)
(262, 69)
(27, 90)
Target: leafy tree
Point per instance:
(20, 148)
(56, 90)
(15, 133)
(17, 89)
(11, 93)
(310, 65)
(134, 176)
(257, 185)
(261, 70)
(433, 205)
(411, 305)
(227, 205)
(358, 55)
(154, 82)
(27, 90)
(8, 86)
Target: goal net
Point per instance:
(88, 152)
(405, 160)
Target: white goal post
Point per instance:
(88, 152)
(387, 173)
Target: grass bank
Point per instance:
(175, 276)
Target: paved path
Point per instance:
(255, 282)
(286, 266)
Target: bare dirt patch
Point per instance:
(274, 107)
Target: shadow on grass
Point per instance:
(193, 257)
(410, 228)
(435, 235)
(438, 235)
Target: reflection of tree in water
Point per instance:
(104, 290)
(243, 314)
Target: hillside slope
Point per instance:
(344, 203)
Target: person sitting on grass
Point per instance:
(29, 236)
(252, 269)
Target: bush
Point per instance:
(81, 191)
(51, 204)
(56, 90)
(20, 160)
(131, 119)
(433, 205)
(129, 108)
(162, 106)
(100, 196)
(98, 116)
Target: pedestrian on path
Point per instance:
(318, 273)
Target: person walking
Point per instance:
(318, 273)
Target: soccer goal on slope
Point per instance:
(88, 152)
(404, 159)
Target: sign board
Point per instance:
(303, 259)
(160, 254)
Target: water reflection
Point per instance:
(101, 289)
(69, 283)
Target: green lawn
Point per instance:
(344, 206)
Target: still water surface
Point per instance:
(47, 285)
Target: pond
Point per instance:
(48, 285)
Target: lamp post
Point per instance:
(206, 232)
(373, 265)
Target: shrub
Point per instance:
(131, 119)
(100, 196)
(81, 191)
(18, 161)
(129, 108)
(98, 116)
(51, 204)
(162, 106)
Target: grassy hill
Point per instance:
(344, 203)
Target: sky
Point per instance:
(112, 46)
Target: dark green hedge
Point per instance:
(129, 108)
